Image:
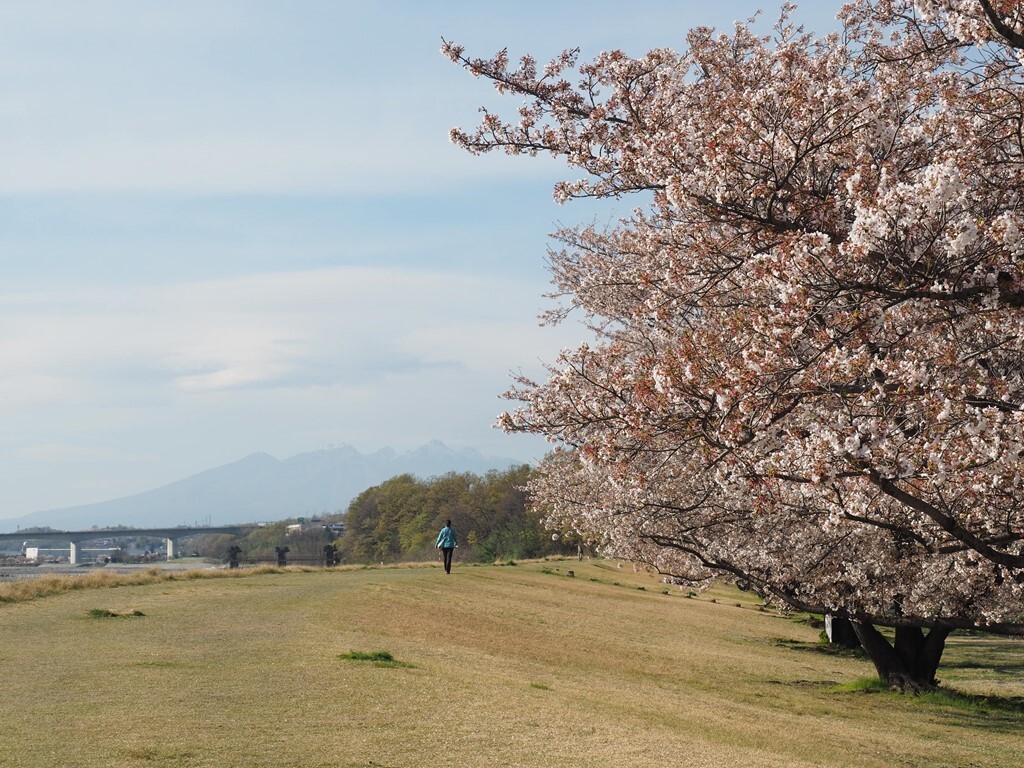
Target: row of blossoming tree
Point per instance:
(807, 369)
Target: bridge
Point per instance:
(172, 535)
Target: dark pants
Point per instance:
(448, 558)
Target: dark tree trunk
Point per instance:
(908, 663)
(840, 632)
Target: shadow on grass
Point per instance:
(994, 713)
(1017, 670)
(999, 714)
(825, 649)
(995, 654)
(986, 706)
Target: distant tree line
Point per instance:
(260, 544)
(399, 519)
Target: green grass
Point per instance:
(106, 613)
(506, 666)
(377, 658)
(863, 685)
(983, 713)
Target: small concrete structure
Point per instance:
(75, 538)
(74, 553)
(37, 553)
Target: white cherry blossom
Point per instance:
(808, 364)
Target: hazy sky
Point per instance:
(230, 226)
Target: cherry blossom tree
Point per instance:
(807, 369)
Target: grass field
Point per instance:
(492, 666)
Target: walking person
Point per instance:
(447, 541)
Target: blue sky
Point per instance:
(230, 226)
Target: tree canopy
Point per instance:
(400, 518)
(807, 368)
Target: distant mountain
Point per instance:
(263, 488)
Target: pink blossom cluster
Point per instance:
(807, 368)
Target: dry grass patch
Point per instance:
(513, 666)
(56, 584)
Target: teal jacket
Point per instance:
(446, 539)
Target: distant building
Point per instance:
(85, 555)
(314, 524)
(38, 554)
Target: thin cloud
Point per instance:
(281, 329)
(208, 371)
